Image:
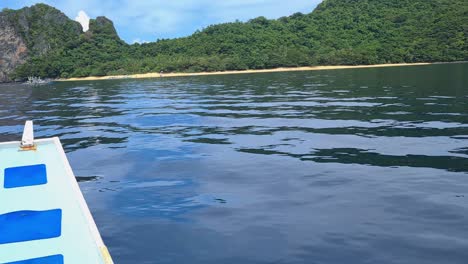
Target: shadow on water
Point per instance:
(87, 178)
(366, 157)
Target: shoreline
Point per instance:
(182, 74)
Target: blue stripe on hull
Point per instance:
(30, 225)
(55, 259)
(25, 176)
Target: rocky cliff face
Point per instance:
(31, 32)
(103, 25)
(13, 50)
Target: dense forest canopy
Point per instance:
(337, 32)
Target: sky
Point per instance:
(149, 20)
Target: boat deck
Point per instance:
(43, 215)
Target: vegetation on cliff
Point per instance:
(346, 32)
(33, 32)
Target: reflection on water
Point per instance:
(349, 166)
(87, 178)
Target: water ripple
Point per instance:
(306, 166)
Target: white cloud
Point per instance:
(83, 19)
(137, 40)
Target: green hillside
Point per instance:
(337, 32)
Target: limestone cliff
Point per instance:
(31, 32)
(13, 50)
(103, 25)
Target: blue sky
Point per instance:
(148, 20)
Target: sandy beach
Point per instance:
(165, 75)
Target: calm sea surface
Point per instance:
(346, 166)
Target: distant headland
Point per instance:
(42, 41)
